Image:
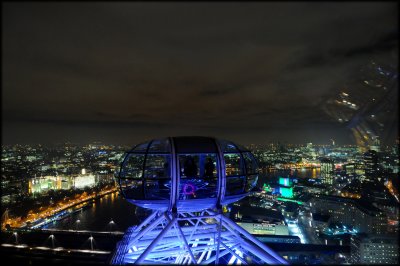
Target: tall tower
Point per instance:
(327, 171)
(186, 181)
(371, 166)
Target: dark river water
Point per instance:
(98, 215)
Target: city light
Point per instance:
(285, 117)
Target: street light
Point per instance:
(16, 237)
(91, 242)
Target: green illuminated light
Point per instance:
(285, 181)
(286, 192)
(283, 199)
(267, 188)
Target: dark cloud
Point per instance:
(127, 71)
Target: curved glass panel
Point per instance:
(116, 171)
(233, 164)
(235, 179)
(251, 164)
(189, 165)
(235, 185)
(157, 176)
(146, 172)
(242, 148)
(133, 166)
(158, 166)
(160, 145)
(227, 146)
(251, 182)
(132, 188)
(208, 166)
(198, 176)
(142, 147)
(158, 189)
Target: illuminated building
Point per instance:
(260, 221)
(285, 187)
(265, 228)
(286, 192)
(371, 166)
(361, 216)
(349, 168)
(186, 181)
(267, 188)
(82, 181)
(374, 249)
(327, 171)
(45, 183)
(285, 181)
(279, 239)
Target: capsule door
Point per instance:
(198, 177)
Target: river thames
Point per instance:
(97, 215)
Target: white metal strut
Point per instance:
(202, 237)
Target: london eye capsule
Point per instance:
(186, 173)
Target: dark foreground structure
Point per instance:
(67, 247)
(74, 248)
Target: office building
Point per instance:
(374, 249)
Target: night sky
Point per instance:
(121, 73)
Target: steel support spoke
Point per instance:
(160, 239)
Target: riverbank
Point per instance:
(49, 212)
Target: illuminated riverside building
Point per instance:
(46, 183)
(351, 212)
(186, 181)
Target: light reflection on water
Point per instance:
(98, 215)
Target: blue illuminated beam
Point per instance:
(206, 238)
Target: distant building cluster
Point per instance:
(362, 217)
(374, 249)
(336, 195)
(45, 183)
(344, 196)
(29, 170)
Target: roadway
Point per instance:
(308, 229)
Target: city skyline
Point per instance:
(123, 73)
(335, 198)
